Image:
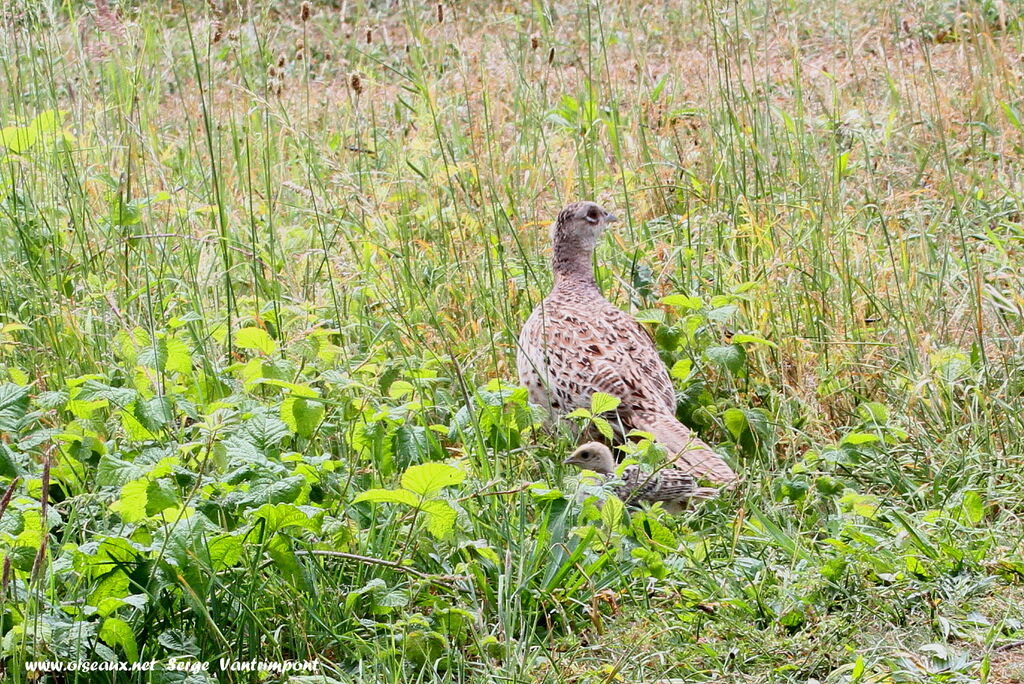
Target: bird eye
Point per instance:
(593, 216)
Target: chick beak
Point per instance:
(610, 218)
(568, 460)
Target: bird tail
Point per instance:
(691, 454)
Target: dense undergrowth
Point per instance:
(261, 272)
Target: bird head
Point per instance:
(581, 223)
(593, 456)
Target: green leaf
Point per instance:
(873, 412)
(154, 355)
(255, 338)
(301, 415)
(603, 403)
(681, 369)
(429, 478)
(17, 139)
(973, 507)
(730, 356)
(225, 550)
(14, 401)
(400, 388)
(160, 495)
(722, 314)
(279, 516)
(859, 438)
(153, 414)
(743, 338)
(440, 517)
(604, 427)
(411, 443)
(116, 632)
(132, 504)
(612, 509)
(402, 496)
(112, 586)
(864, 505)
(294, 388)
(736, 421)
(682, 301)
(115, 471)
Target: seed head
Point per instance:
(305, 10)
(356, 83)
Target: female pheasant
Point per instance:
(576, 343)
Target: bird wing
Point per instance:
(664, 485)
(594, 347)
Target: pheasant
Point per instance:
(670, 486)
(575, 343)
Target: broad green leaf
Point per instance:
(301, 415)
(400, 389)
(154, 355)
(736, 421)
(225, 551)
(160, 495)
(681, 369)
(14, 402)
(132, 504)
(153, 414)
(17, 139)
(859, 438)
(411, 442)
(279, 516)
(179, 357)
(604, 427)
(255, 338)
(401, 496)
(722, 314)
(115, 471)
(603, 403)
(429, 478)
(873, 412)
(285, 490)
(864, 505)
(440, 517)
(973, 506)
(116, 632)
(135, 430)
(113, 585)
(682, 301)
(612, 509)
(730, 356)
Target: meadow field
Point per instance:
(263, 266)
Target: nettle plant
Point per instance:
(708, 373)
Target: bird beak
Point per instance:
(610, 218)
(567, 461)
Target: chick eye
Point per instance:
(592, 215)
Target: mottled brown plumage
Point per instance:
(576, 343)
(670, 486)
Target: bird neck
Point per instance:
(573, 265)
